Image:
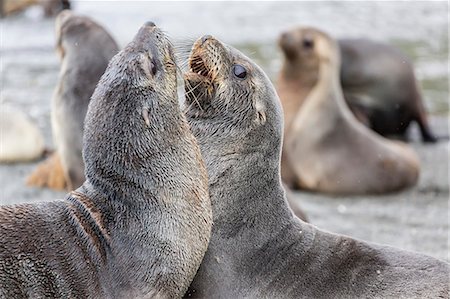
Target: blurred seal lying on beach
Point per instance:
(258, 249)
(20, 139)
(84, 48)
(140, 224)
(325, 148)
(378, 82)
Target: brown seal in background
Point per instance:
(140, 224)
(258, 249)
(378, 82)
(326, 149)
(50, 7)
(84, 48)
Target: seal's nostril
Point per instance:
(150, 24)
(205, 38)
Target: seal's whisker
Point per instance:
(191, 93)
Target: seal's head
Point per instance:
(230, 100)
(83, 35)
(133, 109)
(305, 47)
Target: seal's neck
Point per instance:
(245, 191)
(327, 93)
(298, 73)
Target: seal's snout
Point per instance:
(287, 44)
(205, 38)
(286, 40)
(150, 24)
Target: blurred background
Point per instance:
(416, 219)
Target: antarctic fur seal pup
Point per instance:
(378, 82)
(258, 249)
(326, 149)
(140, 224)
(20, 139)
(84, 48)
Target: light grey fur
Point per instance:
(258, 249)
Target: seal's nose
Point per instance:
(205, 38)
(150, 24)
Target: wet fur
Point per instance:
(258, 249)
(140, 224)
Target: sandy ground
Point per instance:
(416, 219)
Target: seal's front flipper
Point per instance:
(48, 174)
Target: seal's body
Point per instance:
(140, 224)
(326, 149)
(258, 249)
(378, 82)
(381, 89)
(84, 48)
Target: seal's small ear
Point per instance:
(260, 113)
(147, 65)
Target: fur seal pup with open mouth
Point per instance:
(84, 48)
(140, 224)
(258, 249)
(378, 82)
(327, 150)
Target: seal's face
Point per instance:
(299, 46)
(229, 98)
(149, 62)
(135, 102)
(306, 46)
(223, 83)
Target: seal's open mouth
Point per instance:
(198, 65)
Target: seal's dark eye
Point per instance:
(239, 71)
(308, 43)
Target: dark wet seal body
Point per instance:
(140, 224)
(84, 48)
(326, 149)
(258, 249)
(378, 82)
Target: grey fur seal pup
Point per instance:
(140, 224)
(84, 48)
(326, 149)
(258, 249)
(378, 82)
